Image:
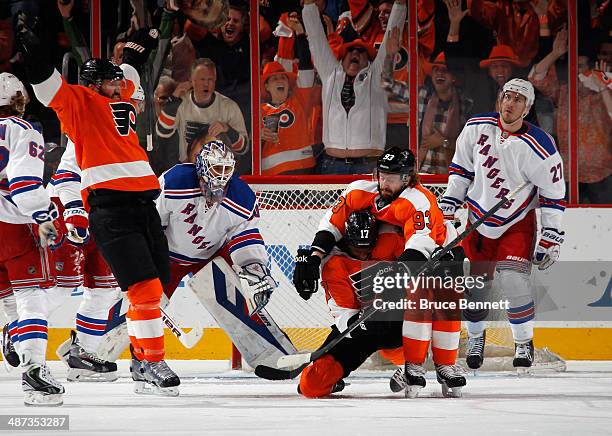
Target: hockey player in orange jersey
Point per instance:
(395, 197)
(365, 241)
(118, 187)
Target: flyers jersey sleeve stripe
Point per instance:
(103, 131)
(415, 211)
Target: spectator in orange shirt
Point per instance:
(594, 148)
(287, 136)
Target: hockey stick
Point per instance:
(189, 340)
(302, 360)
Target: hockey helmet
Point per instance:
(523, 87)
(361, 229)
(10, 88)
(396, 161)
(215, 166)
(95, 71)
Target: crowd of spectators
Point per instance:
(334, 76)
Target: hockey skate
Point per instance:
(452, 380)
(397, 382)
(154, 378)
(523, 357)
(84, 366)
(415, 379)
(474, 354)
(11, 358)
(40, 388)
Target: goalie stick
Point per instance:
(301, 361)
(189, 340)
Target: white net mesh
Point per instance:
(290, 215)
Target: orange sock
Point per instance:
(445, 341)
(416, 337)
(145, 315)
(319, 378)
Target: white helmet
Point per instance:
(215, 166)
(523, 87)
(9, 87)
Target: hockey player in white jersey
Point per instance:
(210, 214)
(496, 153)
(76, 263)
(27, 227)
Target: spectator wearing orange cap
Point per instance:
(287, 136)
(482, 79)
(442, 108)
(354, 103)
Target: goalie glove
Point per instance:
(548, 249)
(258, 285)
(48, 229)
(141, 43)
(306, 274)
(77, 223)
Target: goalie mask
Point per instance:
(13, 93)
(215, 166)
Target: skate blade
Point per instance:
(87, 376)
(397, 387)
(9, 368)
(523, 371)
(63, 351)
(451, 392)
(39, 399)
(144, 388)
(412, 391)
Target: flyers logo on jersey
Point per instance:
(125, 117)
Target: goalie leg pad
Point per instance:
(257, 337)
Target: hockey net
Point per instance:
(290, 214)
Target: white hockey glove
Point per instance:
(48, 232)
(448, 208)
(257, 284)
(548, 249)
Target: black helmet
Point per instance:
(95, 70)
(396, 161)
(361, 229)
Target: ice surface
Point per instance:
(215, 400)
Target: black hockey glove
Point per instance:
(449, 265)
(306, 274)
(139, 47)
(30, 46)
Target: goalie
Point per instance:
(208, 212)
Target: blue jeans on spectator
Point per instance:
(332, 165)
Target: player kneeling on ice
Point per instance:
(396, 197)
(210, 214)
(346, 275)
(495, 154)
